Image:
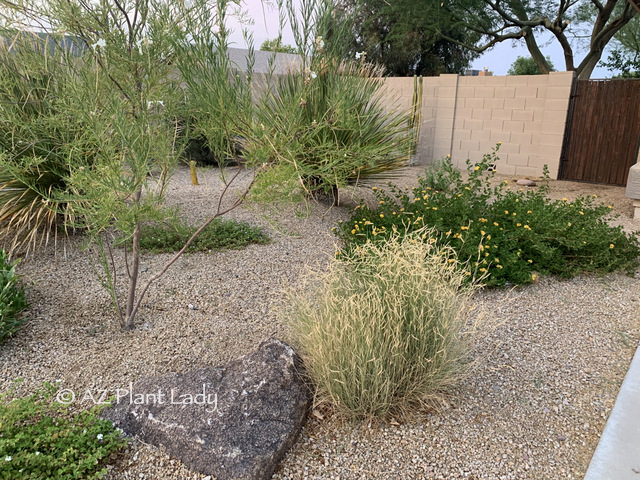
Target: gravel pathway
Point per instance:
(545, 382)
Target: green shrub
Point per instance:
(507, 235)
(12, 298)
(41, 439)
(380, 332)
(218, 235)
(39, 140)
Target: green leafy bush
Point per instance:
(381, 331)
(39, 139)
(41, 439)
(506, 235)
(12, 298)
(219, 234)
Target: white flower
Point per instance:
(313, 75)
(7, 458)
(99, 436)
(100, 43)
(359, 55)
(37, 453)
(319, 42)
(155, 102)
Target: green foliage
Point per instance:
(624, 58)
(381, 332)
(38, 138)
(528, 66)
(218, 235)
(12, 298)
(327, 127)
(276, 45)
(403, 36)
(507, 235)
(41, 439)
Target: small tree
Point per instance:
(528, 66)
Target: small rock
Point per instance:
(561, 438)
(192, 307)
(525, 182)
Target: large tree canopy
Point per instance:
(578, 25)
(625, 55)
(404, 36)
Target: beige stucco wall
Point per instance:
(466, 116)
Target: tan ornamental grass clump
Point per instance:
(386, 330)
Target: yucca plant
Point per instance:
(325, 122)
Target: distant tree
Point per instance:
(583, 25)
(403, 36)
(625, 56)
(276, 45)
(528, 66)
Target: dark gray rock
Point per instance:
(234, 422)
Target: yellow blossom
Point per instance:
(565, 199)
(595, 196)
(527, 227)
(610, 207)
(529, 212)
(611, 245)
(353, 232)
(448, 233)
(518, 224)
(382, 215)
(499, 266)
(488, 237)
(464, 228)
(434, 208)
(467, 273)
(381, 202)
(506, 212)
(482, 232)
(581, 213)
(357, 207)
(483, 270)
(569, 224)
(530, 261)
(496, 224)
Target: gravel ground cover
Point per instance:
(544, 384)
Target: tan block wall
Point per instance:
(466, 116)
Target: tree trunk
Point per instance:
(133, 271)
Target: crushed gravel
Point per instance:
(534, 407)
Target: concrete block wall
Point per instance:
(466, 116)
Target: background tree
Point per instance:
(276, 45)
(527, 66)
(582, 24)
(625, 56)
(404, 36)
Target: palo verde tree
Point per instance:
(587, 25)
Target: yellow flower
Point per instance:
(382, 215)
(448, 155)
(595, 196)
(506, 212)
(565, 199)
(375, 234)
(374, 188)
(394, 213)
(529, 212)
(353, 232)
(381, 202)
(611, 245)
(434, 208)
(483, 270)
(533, 277)
(484, 220)
(530, 261)
(432, 240)
(482, 232)
(467, 188)
(569, 224)
(488, 238)
(499, 266)
(518, 224)
(467, 273)
(464, 228)
(496, 224)
(499, 143)
(497, 260)
(514, 214)
(581, 213)
(481, 247)
(450, 260)
(527, 227)
(517, 200)
(357, 207)
(448, 233)
(477, 168)
(610, 207)
(368, 223)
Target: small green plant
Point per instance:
(382, 331)
(505, 234)
(12, 298)
(41, 439)
(218, 235)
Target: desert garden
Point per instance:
(452, 324)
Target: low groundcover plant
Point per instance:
(12, 298)
(508, 235)
(383, 331)
(41, 439)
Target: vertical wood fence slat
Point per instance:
(603, 132)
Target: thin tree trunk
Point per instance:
(133, 271)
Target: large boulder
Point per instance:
(233, 422)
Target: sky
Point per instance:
(498, 59)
